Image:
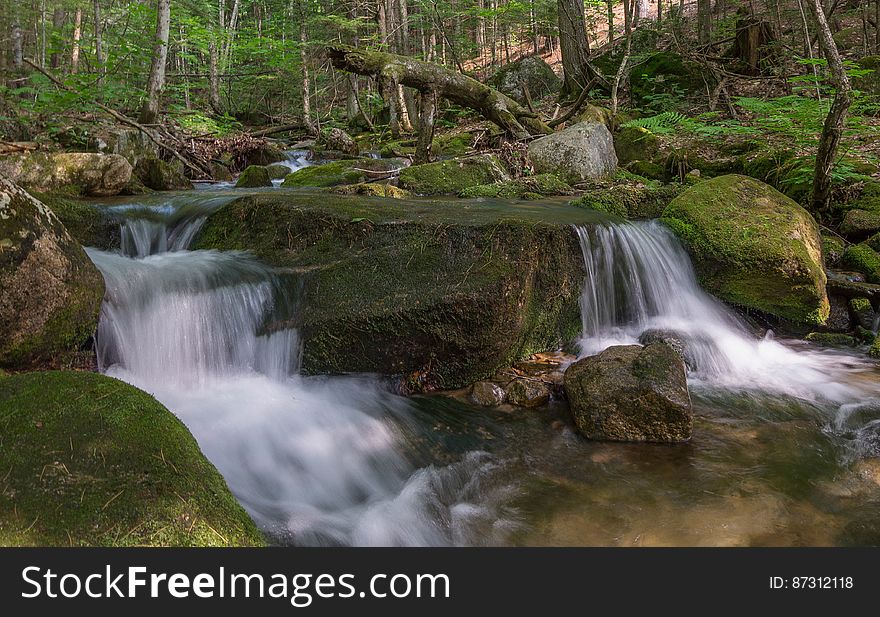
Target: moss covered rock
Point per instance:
(453, 176)
(533, 72)
(254, 176)
(93, 461)
(832, 250)
(443, 293)
(278, 172)
(583, 151)
(340, 141)
(862, 258)
(631, 393)
(870, 83)
(633, 143)
(51, 290)
(832, 339)
(542, 185)
(343, 172)
(664, 79)
(859, 224)
(374, 189)
(753, 246)
(160, 176)
(86, 223)
(629, 199)
(77, 173)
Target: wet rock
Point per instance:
(832, 249)
(628, 198)
(838, 318)
(262, 154)
(82, 173)
(88, 224)
(344, 172)
(859, 224)
(278, 172)
(862, 312)
(631, 393)
(542, 185)
(221, 172)
(581, 152)
(254, 176)
(753, 246)
(864, 259)
(636, 144)
(528, 393)
(52, 292)
(160, 176)
(86, 437)
(488, 394)
(339, 140)
(831, 339)
(533, 72)
(674, 340)
(452, 176)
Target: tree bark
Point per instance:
(77, 35)
(99, 41)
(573, 42)
(58, 16)
(155, 83)
(517, 121)
(17, 54)
(426, 128)
(836, 119)
(303, 56)
(214, 78)
(704, 20)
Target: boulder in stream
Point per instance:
(525, 392)
(81, 173)
(631, 393)
(753, 246)
(340, 141)
(51, 290)
(583, 151)
(337, 173)
(487, 394)
(159, 175)
(254, 176)
(452, 176)
(115, 468)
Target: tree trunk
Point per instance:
(99, 41)
(17, 54)
(609, 4)
(77, 35)
(704, 20)
(214, 78)
(517, 121)
(303, 56)
(426, 128)
(155, 83)
(573, 42)
(58, 16)
(836, 119)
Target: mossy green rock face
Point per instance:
(374, 189)
(160, 176)
(870, 83)
(278, 172)
(631, 393)
(51, 290)
(532, 71)
(629, 199)
(443, 293)
(93, 461)
(81, 173)
(753, 246)
(859, 224)
(453, 176)
(254, 176)
(343, 172)
(862, 258)
(632, 143)
(542, 185)
(85, 222)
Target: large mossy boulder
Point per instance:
(51, 291)
(88, 224)
(862, 258)
(870, 82)
(527, 187)
(631, 393)
(753, 246)
(583, 151)
(440, 292)
(93, 461)
(343, 172)
(254, 176)
(452, 176)
(629, 197)
(634, 143)
(859, 224)
(76, 173)
(664, 78)
(338, 140)
(533, 73)
(158, 175)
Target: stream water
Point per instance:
(782, 451)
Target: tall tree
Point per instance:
(77, 35)
(156, 80)
(574, 45)
(835, 121)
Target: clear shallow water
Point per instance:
(781, 453)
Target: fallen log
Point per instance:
(272, 130)
(428, 77)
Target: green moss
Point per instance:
(832, 250)
(453, 144)
(341, 172)
(278, 172)
(753, 247)
(442, 292)
(452, 176)
(664, 78)
(870, 83)
(91, 461)
(857, 305)
(629, 199)
(254, 176)
(374, 189)
(648, 169)
(869, 199)
(636, 144)
(864, 259)
(831, 339)
(874, 351)
(85, 222)
(541, 185)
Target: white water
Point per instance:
(640, 278)
(314, 461)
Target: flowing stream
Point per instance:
(341, 461)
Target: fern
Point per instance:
(665, 122)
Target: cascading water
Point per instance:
(639, 278)
(314, 461)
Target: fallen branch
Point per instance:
(574, 108)
(277, 129)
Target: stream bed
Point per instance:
(784, 447)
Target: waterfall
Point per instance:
(639, 278)
(315, 461)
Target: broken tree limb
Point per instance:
(272, 130)
(495, 106)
